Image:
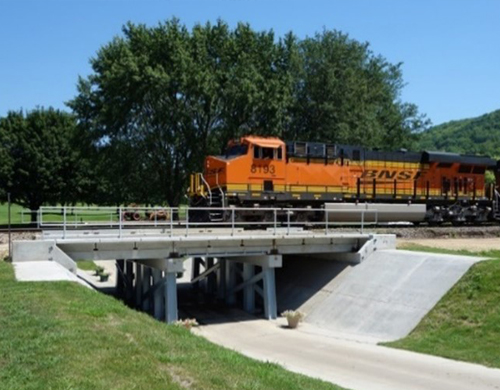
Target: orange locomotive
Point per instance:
(267, 172)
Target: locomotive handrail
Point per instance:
(220, 189)
(497, 205)
(207, 186)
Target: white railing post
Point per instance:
(187, 221)
(288, 222)
(362, 220)
(275, 220)
(171, 221)
(64, 222)
(232, 221)
(120, 222)
(326, 221)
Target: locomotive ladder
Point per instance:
(496, 205)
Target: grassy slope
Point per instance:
(465, 324)
(59, 335)
(87, 265)
(15, 211)
(479, 135)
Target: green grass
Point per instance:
(77, 215)
(16, 214)
(465, 324)
(59, 335)
(86, 265)
(493, 253)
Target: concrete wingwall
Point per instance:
(381, 299)
(39, 250)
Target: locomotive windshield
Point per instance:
(237, 150)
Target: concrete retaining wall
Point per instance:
(383, 298)
(41, 251)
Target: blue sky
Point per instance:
(450, 48)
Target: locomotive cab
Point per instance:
(251, 169)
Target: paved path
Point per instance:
(44, 271)
(353, 365)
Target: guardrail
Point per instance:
(186, 219)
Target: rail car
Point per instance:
(260, 172)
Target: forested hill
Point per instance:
(479, 136)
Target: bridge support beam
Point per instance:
(120, 277)
(146, 287)
(251, 282)
(230, 276)
(129, 281)
(150, 285)
(163, 291)
(138, 284)
(158, 297)
(170, 293)
(249, 291)
(211, 283)
(197, 263)
(234, 275)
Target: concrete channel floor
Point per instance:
(354, 365)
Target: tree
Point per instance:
(44, 164)
(346, 94)
(161, 98)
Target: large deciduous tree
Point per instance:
(346, 94)
(42, 159)
(161, 98)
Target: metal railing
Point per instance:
(185, 220)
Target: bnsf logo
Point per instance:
(390, 175)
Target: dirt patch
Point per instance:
(4, 251)
(470, 244)
(179, 377)
(4, 237)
